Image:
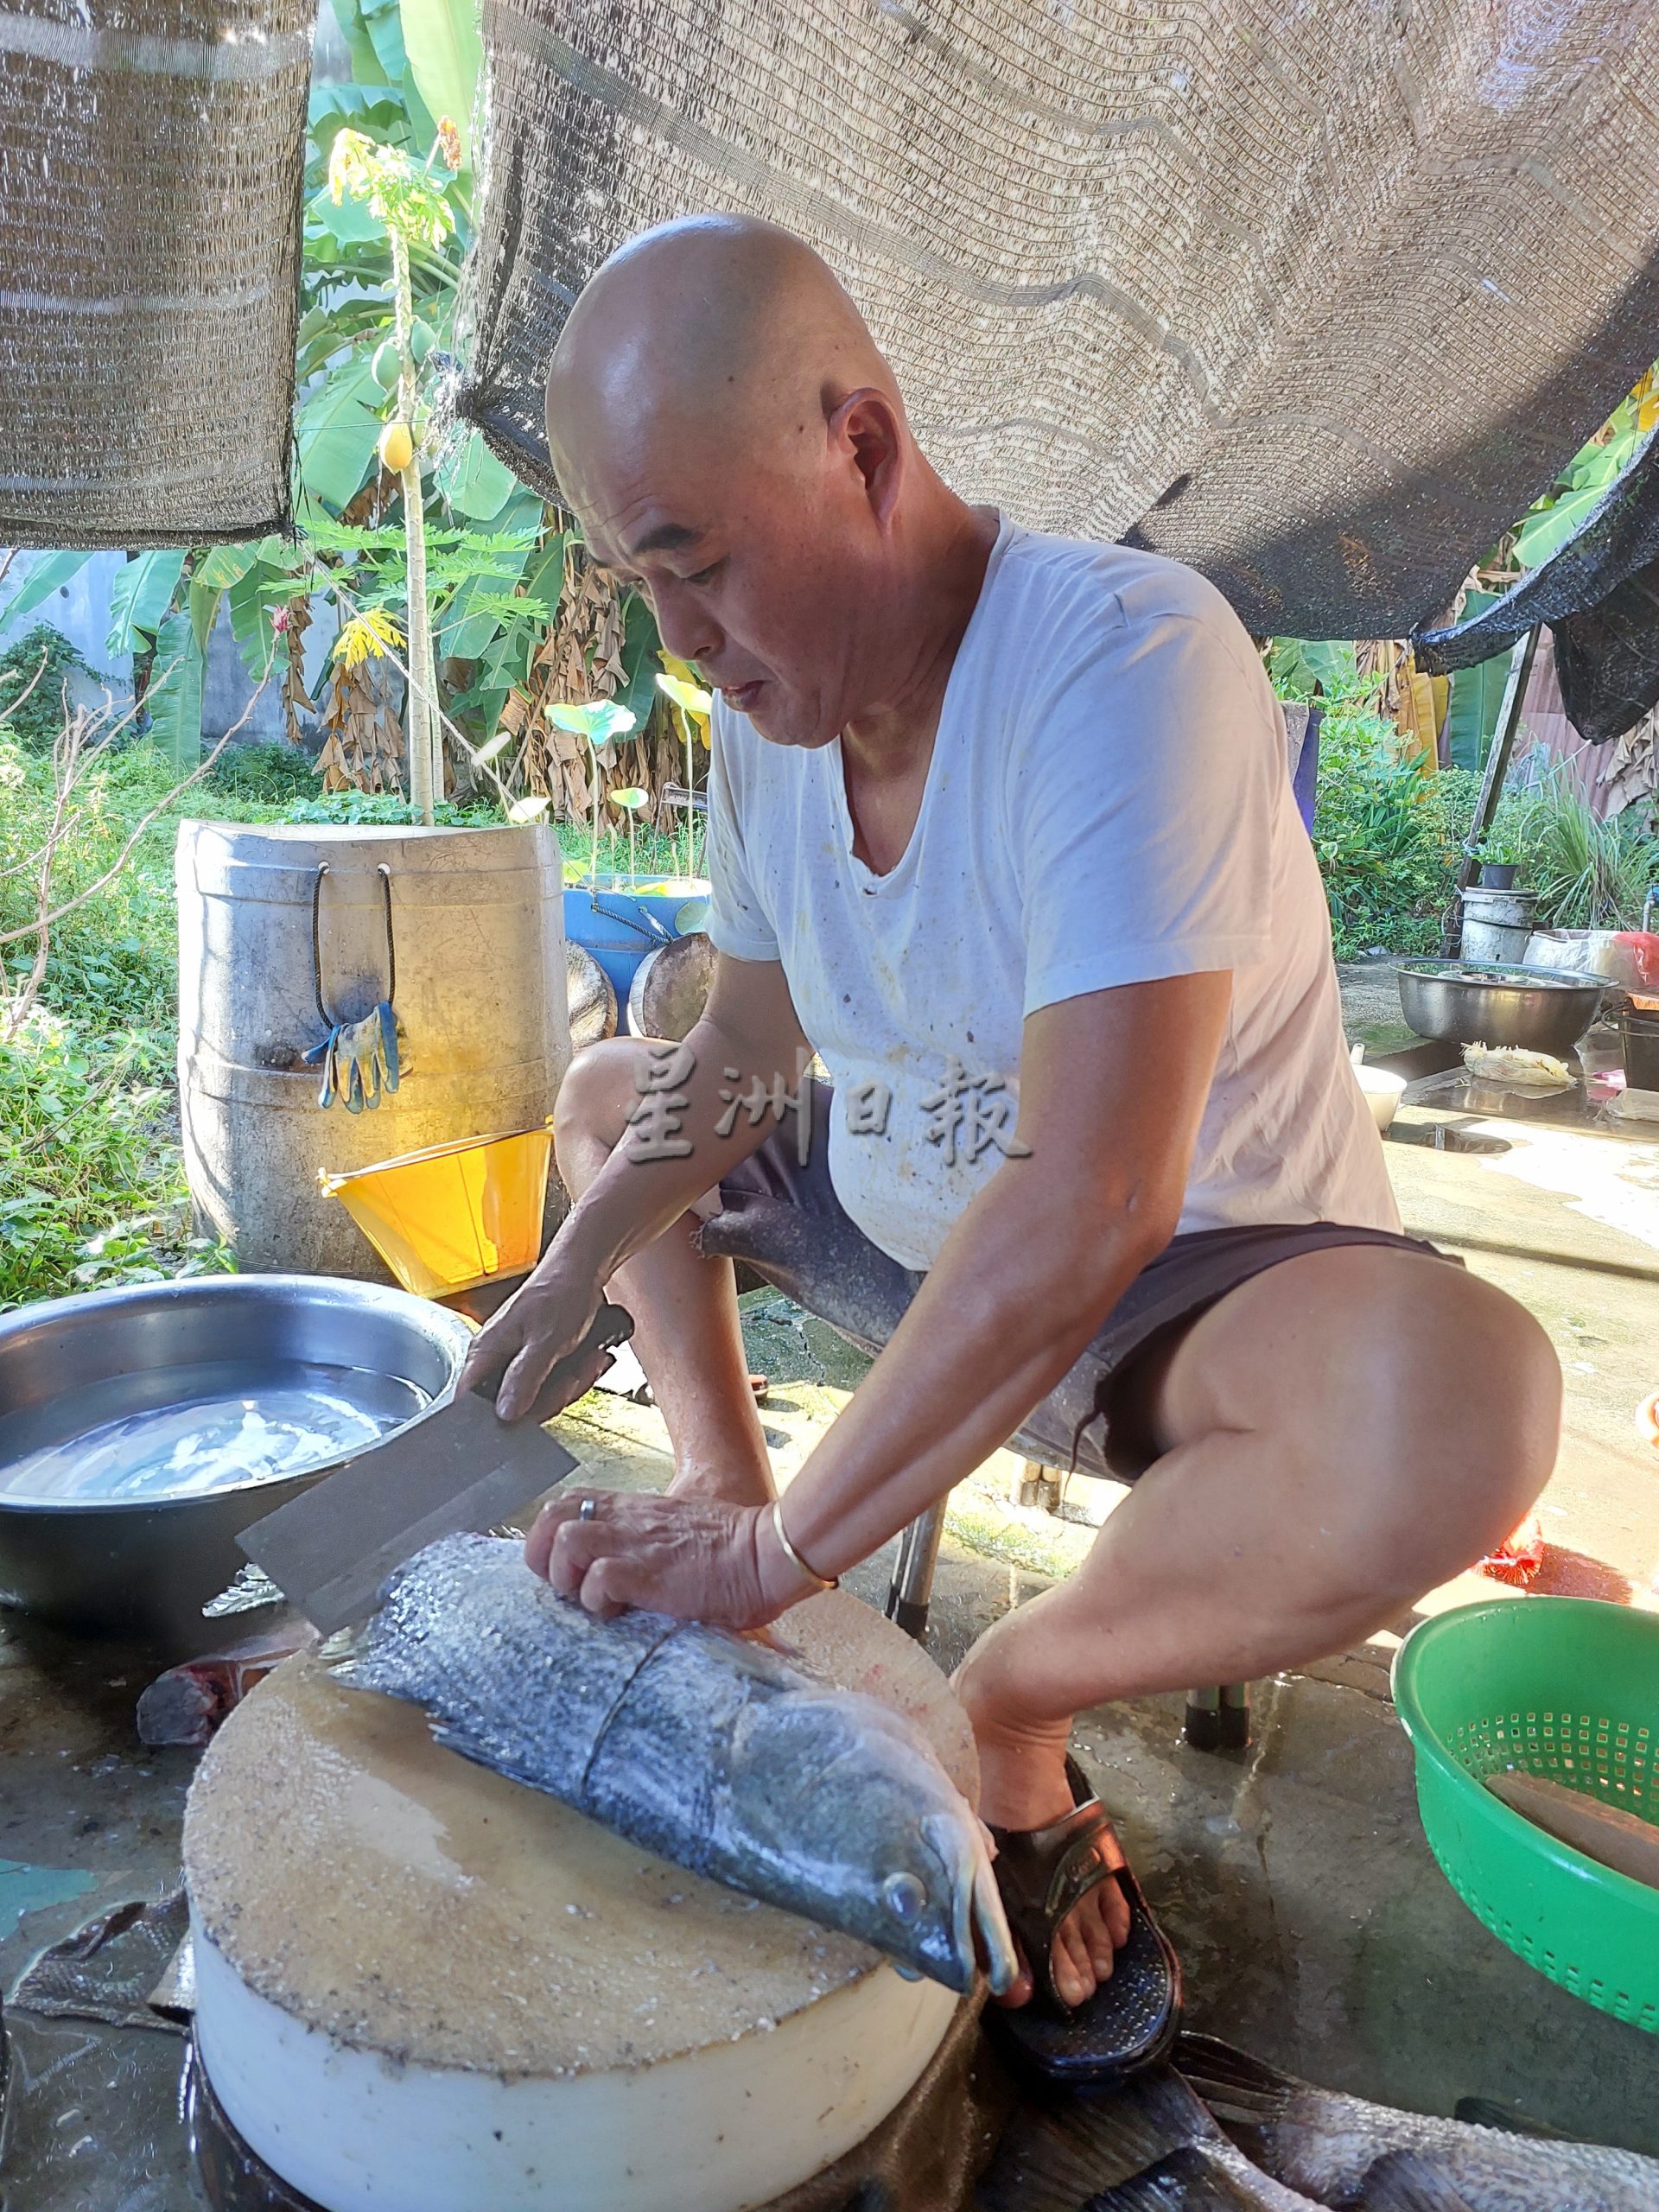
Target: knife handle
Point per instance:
(610, 1326)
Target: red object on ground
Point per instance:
(1518, 1558)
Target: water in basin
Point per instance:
(184, 1431)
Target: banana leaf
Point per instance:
(140, 597)
(1476, 698)
(174, 699)
(49, 574)
(440, 38)
(337, 430)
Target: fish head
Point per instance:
(864, 1830)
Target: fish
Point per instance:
(1327, 2144)
(190, 1703)
(1148, 2146)
(710, 1749)
(1486, 2112)
(1404, 2182)
(1186, 2181)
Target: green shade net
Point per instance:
(151, 157)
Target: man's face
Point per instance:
(756, 573)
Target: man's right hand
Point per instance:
(514, 1353)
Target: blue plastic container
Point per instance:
(620, 921)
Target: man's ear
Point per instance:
(866, 427)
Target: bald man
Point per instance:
(999, 825)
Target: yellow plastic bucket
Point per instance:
(454, 1216)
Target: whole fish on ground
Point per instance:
(1149, 2146)
(1328, 2144)
(710, 1749)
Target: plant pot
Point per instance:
(620, 918)
(1498, 875)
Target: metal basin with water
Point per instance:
(1482, 1002)
(141, 1429)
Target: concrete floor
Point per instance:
(1295, 1878)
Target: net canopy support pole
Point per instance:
(1522, 654)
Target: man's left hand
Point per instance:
(692, 1558)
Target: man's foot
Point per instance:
(1023, 1786)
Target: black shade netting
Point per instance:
(1318, 300)
(1600, 595)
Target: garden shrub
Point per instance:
(37, 720)
(276, 775)
(1388, 837)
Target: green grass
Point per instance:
(92, 1187)
(92, 1182)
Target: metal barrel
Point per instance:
(477, 936)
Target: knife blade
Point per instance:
(331, 1549)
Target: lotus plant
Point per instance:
(632, 798)
(692, 706)
(600, 724)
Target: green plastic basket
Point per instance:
(1564, 1688)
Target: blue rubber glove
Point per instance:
(365, 1061)
(360, 1060)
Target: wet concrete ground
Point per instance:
(1315, 1926)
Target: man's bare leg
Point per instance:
(684, 1306)
(1341, 1434)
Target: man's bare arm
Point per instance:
(1112, 1091)
(749, 1024)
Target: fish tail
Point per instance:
(1054, 2159)
(1186, 2181)
(1404, 2182)
(1235, 2087)
(1486, 2112)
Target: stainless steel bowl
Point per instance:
(1480, 1002)
(146, 1565)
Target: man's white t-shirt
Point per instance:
(1107, 803)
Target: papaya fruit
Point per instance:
(396, 447)
(385, 365)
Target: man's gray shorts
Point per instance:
(785, 1221)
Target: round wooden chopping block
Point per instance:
(422, 1985)
(591, 995)
(670, 988)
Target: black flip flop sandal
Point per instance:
(1132, 2020)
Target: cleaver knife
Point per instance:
(330, 1550)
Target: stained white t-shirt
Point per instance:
(1107, 803)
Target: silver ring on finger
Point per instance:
(588, 1508)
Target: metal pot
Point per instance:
(1543, 1009)
(147, 1565)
